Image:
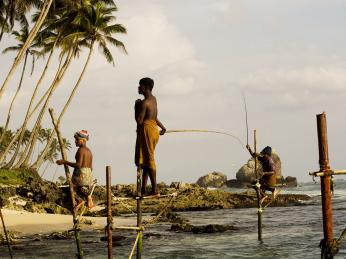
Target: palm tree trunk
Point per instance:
(40, 160)
(14, 97)
(21, 53)
(14, 139)
(24, 161)
(34, 132)
(26, 119)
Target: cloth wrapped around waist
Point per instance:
(147, 138)
(270, 179)
(82, 176)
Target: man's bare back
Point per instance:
(150, 106)
(84, 157)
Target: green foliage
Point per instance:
(43, 137)
(17, 177)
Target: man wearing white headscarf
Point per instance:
(82, 175)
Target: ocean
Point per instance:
(288, 232)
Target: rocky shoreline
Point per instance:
(46, 197)
(38, 196)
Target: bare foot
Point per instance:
(90, 202)
(263, 199)
(78, 206)
(154, 194)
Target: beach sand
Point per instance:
(27, 223)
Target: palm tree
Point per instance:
(7, 136)
(3, 22)
(21, 37)
(92, 26)
(15, 10)
(25, 157)
(44, 11)
(48, 43)
(61, 23)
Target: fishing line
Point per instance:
(207, 131)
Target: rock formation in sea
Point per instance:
(214, 179)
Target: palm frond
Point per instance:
(13, 48)
(115, 28)
(22, 21)
(116, 43)
(106, 52)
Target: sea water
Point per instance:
(288, 232)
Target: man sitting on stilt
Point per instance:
(268, 179)
(147, 134)
(82, 178)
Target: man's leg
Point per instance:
(144, 179)
(152, 175)
(263, 187)
(78, 197)
(273, 190)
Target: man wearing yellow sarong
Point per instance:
(147, 133)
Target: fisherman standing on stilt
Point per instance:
(147, 133)
(82, 178)
(268, 179)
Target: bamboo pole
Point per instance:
(69, 182)
(109, 212)
(130, 228)
(139, 214)
(6, 235)
(258, 186)
(134, 246)
(330, 172)
(327, 210)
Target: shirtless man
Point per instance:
(147, 133)
(82, 174)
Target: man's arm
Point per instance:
(137, 108)
(253, 154)
(141, 112)
(77, 164)
(163, 129)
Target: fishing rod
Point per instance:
(206, 131)
(246, 121)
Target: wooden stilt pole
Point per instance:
(139, 213)
(259, 206)
(327, 210)
(109, 212)
(69, 182)
(6, 235)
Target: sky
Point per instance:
(287, 57)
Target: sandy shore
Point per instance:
(34, 223)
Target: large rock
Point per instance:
(246, 173)
(214, 179)
(211, 228)
(291, 181)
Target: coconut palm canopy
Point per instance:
(67, 27)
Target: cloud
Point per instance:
(294, 86)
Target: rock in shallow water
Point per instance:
(210, 228)
(214, 179)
